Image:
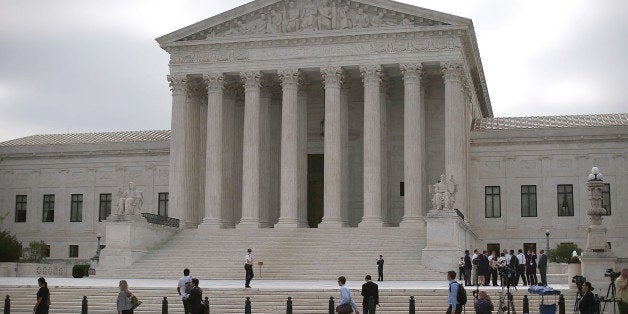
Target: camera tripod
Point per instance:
(506, 304)
(576, 305)
(612, 290)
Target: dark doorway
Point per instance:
(492, 247)
(315, 189)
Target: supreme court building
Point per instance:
(329, 114)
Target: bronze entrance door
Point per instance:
(314, 189)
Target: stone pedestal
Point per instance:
(594, 266)
(128, 238)
(447, 236)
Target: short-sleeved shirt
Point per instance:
(248, 259)
(181, 285)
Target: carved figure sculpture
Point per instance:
(324, 16)
(361, 19)
(292, 18)
(439, 189)
(308, 19)
(274, 22)
(335, 23)
(130, 202)
(450, 196)
(343, 17)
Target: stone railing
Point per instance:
(161, 220)
(461, 215)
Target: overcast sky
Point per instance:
(93, 65)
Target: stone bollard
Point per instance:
(526, 304)
(289, 306)
(247, 306)
(164, 306)
(371, 305)
(7, 305)
(331, 306)
(412, 309)
(206, 306)
(84, 305)
(561, 304)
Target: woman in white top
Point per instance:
(124, 304)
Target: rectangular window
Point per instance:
(104, 209)
(606, 198)
(492, 202)
(20, 208)
(76, 209)
(528, 201)
(73, 251)
(49, 208)
(565, 199)
(162, 209)
(492, 247)
(401, 189)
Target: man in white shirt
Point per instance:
(248, 267)
(474, 270)
(181, 289)
(521, 268)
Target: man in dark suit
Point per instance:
(196, 298)
(380, 268)
(587, 303)
(369, 289)
(467, 268)
(543, 267)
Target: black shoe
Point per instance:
(247, 286)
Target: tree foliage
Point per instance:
(563, 251)
(10, 247)
(35, 252)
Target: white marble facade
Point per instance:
(384, 92)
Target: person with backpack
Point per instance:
(457, 296)
(185, 285)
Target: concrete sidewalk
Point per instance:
(239, 284)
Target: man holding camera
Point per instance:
(621, 283)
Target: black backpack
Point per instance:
(461, 296)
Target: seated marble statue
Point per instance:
(130, 202)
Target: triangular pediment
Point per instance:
(286, 17)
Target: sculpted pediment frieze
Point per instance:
(312, 16)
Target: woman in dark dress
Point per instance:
(43, 297)
(587, 303)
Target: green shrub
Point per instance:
(563, 251)
(80, 270)
(35, 252)
(10, 247)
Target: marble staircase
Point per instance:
(291, 254)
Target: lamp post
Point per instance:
(547, 248)
(98, 236)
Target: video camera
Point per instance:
(579, 281)
(612, 274)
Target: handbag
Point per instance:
(344, 308)
(135, 302)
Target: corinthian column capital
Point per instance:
(196, 89)
(177, 83)
(289, 76)
(251, 79)
(332, 75)
(412, 72)
(452, 70)
(215, 81)
(371, 73)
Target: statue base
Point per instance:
(447, 237)
(128, 238)
(594, 266)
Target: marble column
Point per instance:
(335, 149)
(291, 159)
(230, 159)
(374, 115)
(266, 164)
(413, 144)
(214, 184)
(178, 86)
(455, 130)
(302, 97)
(196, 158)
(251, 151)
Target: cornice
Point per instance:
(87, 154)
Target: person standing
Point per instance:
(621, 283)
(43, 297)
(521, 267)
(531, 268)
(195, 298)
(474, 264)
(452, 296)
(182, 289)
(369, 289)
(543, 267)
(467, 268)
(380, 268)
(124, 304)
(482, 269)
(587, 303)
(493, 267)
(345, 297)
(248, 267)
(461, 268)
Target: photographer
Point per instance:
(483, 304)
(587, 304)
(621, 283)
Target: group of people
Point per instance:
(482, 269)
